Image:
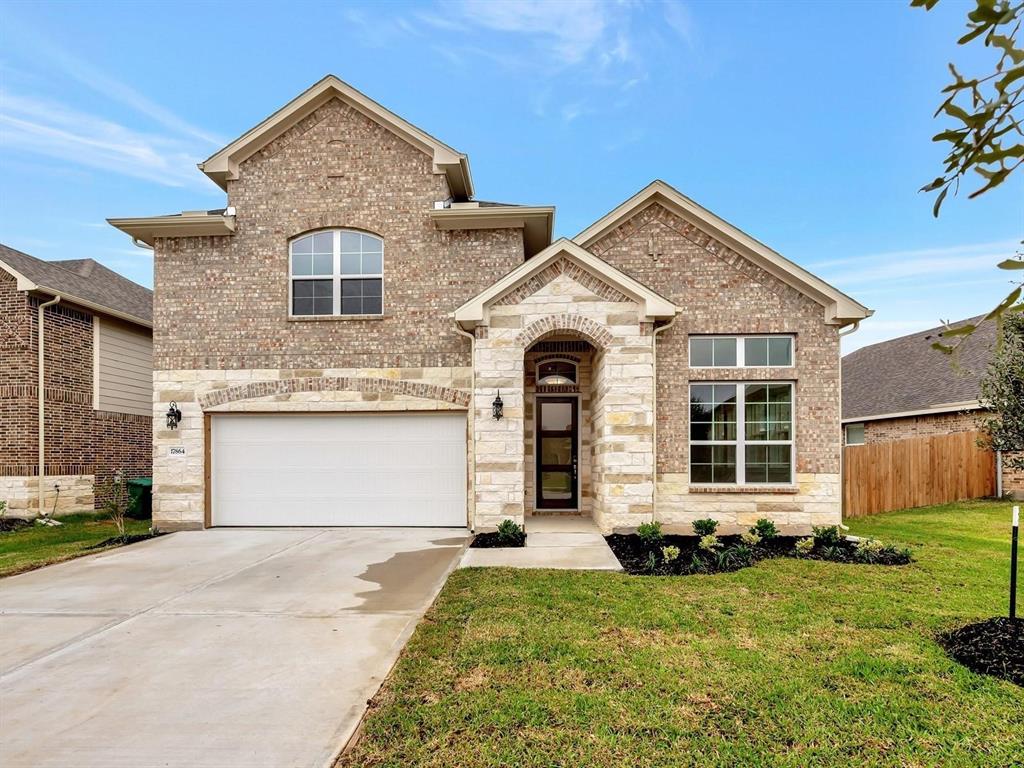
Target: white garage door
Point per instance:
(339, 469)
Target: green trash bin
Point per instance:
(140, 493)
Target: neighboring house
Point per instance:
(338, 338)
(904, 388)
(97, 363)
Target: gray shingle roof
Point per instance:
(85, 279)
(906, 374)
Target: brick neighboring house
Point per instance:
(903, 388)
(98, 380)
(340, 335)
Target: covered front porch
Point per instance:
(567, 342)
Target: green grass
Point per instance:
(35, 546)
(789, 663)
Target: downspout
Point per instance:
(42, 404)
(654, 431)
(471, 506)
(842, 430)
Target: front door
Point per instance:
(557, 452)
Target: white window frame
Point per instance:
(741, 435)
(741, 349)
(336, 277)
(575, 364)
(846, 433)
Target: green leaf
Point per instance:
(1002, 41)
(954, 137)
(954, 110)
(938, 202)
(934, 185)
(1009, 78)
(943, 348)
(1005, 304)
(1011, 264)
(979, 30)
(963, 330)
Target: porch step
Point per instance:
(551, 542)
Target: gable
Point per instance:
(564, 259)
(223, 165)
(719, 238)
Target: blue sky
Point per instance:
(807, 125)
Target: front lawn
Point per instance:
(37, 545)
(788, 663)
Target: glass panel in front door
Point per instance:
(557, 453)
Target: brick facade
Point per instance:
(224, 341)
(83, 446)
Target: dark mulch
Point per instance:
(991, 647)
(9, 524)
(640, 559)
(120, 541)
(494, 540)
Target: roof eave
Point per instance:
(537, 222)
(147, 228)
(935, 410)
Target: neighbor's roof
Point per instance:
(223, 165)
(840, 309)
(81, 281)
(906, 377)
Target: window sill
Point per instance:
(777, 489)
(333, 318)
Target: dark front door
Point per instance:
(557, 453)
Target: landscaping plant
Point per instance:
(509, 534)
(706, 527)
(765, 528)
(650, 533)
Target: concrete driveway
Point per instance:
(243, 647)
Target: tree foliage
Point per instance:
(986, 136)
(1002, 393)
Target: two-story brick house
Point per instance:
(356, 340)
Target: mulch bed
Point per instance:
(636, 557)
(9, 524)
(496, 540)
(990, 647)
(121, 541)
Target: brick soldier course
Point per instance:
(473, 295)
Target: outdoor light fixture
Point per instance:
(497, 406)
(173, 416)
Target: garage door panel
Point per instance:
(339, 469)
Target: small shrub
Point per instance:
(835, 554)
(709, 542)
(765, 528)
(706, 527)
(827, 535)
(733, 558)
(750, 538)
(804, 547)
(116, 505)
(652, 562)
(670, 554)
(650, 533)
(509, 531)
(699, 565)
(870, 550)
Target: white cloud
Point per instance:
(53, 130)
(679, 18)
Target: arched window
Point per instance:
(338, 272)
(556, 373)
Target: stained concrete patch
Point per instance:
(223, 662)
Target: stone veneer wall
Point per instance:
(582, 389)
(565, 301)
(724, 293)
(83, 446)
(179, 481)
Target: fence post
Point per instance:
(1013, 563)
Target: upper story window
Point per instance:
(741, 351)
(557, 373)
(340, 272)
(855, 434)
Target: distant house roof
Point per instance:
(905, 376)
(82, 281)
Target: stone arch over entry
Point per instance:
(256, 389)
(575, 324)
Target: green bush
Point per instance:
(804, 547)
(827, 535)
(509, 531)
(706, 527)
(709, 542)
(739, 556)
(750, 538)
(765, 528)
(669, 554)
(870, 550)
(650, 534)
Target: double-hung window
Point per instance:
(340, 272)
(741, 434)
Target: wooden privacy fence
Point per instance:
(916, 472)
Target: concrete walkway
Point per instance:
(206, 649)
(571, 542)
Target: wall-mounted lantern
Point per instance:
(173, 416)
(497, 407)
